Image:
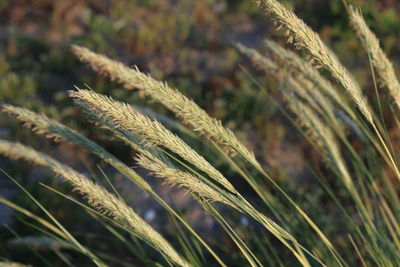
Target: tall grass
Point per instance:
(329, 115)
(98, 197)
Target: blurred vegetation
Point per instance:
(185, 42)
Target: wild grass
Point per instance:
(303, 37)
(382, 65)
(188, 111)
(98, 197)
(360, 181)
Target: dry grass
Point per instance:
(382, 65)
(305, 38)
(111, 205)
(181, 179)
(188, 111)
(366, 199)
(97, 196)
(152, 132)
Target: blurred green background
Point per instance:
(188, 43)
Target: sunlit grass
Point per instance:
(329, 115)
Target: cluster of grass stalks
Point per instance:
(330, 114)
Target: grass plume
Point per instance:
(111, 205)
(382, 65)
(41, 124)
(152, 132)
(97, 197)
(155, 134)
(180, 178)
(184, 108)
(305, 38)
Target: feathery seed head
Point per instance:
(152, 133)
(15, 150)
(96, 195)
(384, 68)
(41, 124)
(111, 205)
(37, 122)
(305, 38)
(184, 108)
(104, 66)
(180, 178)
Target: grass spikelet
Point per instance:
(184, 108)
(305, 38)
(384, 68)
(111, 205)
(97, 196)
(152, 132)
(41, 124)
(180, 178)
(18, 151)
(127, 137)
(105, 66)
